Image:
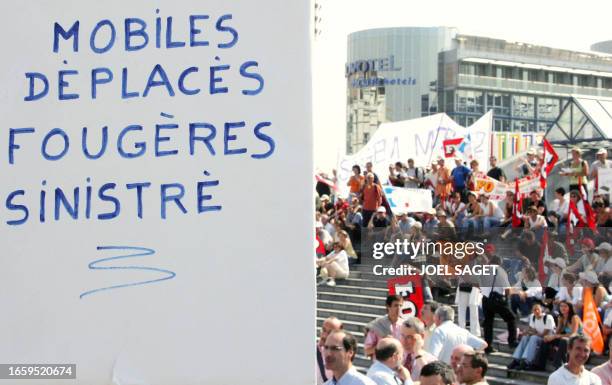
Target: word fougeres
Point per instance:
(103, 201)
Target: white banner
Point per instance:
(408, 200)
(420, 139)
(528, 184)
(129, 131)
(605, 180)
(494, 188)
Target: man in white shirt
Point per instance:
(540, 324)
(388, 369)
(601, 162)
(340, 349)
(574, 373)
(448, 335)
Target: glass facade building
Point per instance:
(526, 86)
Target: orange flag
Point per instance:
(591, 320)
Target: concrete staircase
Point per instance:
(361, 298)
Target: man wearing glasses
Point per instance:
(473, 369)
(340, 349)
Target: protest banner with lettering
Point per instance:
(528, 184)
(494, 188)
(410, 287)
(131, 131)
(420, 139)
(408, 200)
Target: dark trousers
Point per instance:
(559, 355)
(499, 306)
(366, 214)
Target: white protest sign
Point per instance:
(604, 180)
(420, 139)
(131, 131)
(494, 188)
(408, 200)
(528, 184)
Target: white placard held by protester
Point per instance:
(408, 200)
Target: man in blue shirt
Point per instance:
(459, 176)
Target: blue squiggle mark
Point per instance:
(143, 251)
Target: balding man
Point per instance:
(340, 349)
(457, 355)
(448, 335)
(388, 369)
(329, 325)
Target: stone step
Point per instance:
(369, 283)
(345, 315)
(346, 288)
(354, 298)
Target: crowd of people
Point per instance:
(541, 281)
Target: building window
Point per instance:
(523, 126)
(499, 103)
(466, 69)
(544, 126)
(523, 106)
(502, 125)
(548, 108)
(469, 101)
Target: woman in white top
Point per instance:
(557, 212)
(570, 291)
(334, 265)
(493, 214)
(535, 222)
(555, 281)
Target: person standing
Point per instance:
(496, 172)
(574, 372)
(600, 162)
(414, 175)
(460, 176)
(495, 289)
(578, 171)
(356, 181)
(372, 198)
(443, 182)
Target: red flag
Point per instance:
(329, 182)
(550, 158)
(450, 146)
(591, 216)
(516, 206)
(410, 287)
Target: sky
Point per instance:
(551, 23)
